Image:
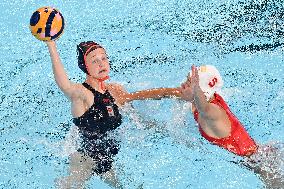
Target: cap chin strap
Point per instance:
(101, 80)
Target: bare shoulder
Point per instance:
(78, 92)
(116, 87)
(214, 107)
(119, 93)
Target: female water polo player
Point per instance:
(95, 108)
(220, 126)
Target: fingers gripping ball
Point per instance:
(47, 24)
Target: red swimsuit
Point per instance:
(239, 141)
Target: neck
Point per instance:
(96, 84)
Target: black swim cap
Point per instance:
(82, 48)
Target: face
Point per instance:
(97, 63)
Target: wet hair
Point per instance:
(83, 49)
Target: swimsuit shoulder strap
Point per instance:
(86, 85)
(96, 93)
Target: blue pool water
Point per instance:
(151, 43)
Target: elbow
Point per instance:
(66, 89)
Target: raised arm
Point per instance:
(199, 100)
(60, 75)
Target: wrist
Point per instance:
(50, 43)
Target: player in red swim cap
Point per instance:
(221, 127)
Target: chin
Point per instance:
(103, 75)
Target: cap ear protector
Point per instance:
(210, 80)
(83, 49)
(81, 62)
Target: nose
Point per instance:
(101, 63)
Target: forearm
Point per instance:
(155, 94)
(199, 100)
(60, 74)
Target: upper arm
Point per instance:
(74, 91)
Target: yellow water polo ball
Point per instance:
(47, 24)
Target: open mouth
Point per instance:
(102, 71)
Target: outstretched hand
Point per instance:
(188, 87)
(194, 79)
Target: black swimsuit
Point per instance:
(101, 117)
